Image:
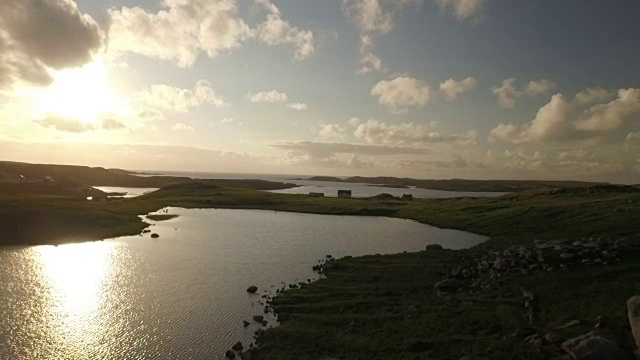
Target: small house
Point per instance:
(345, 194)
(406, 197)
(316, 194)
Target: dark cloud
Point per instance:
(39, 34)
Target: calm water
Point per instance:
(181, 296)
(331, 188)
(365, 190)
(129, 191)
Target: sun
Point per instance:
(81, 94)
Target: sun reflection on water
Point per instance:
(74, 277)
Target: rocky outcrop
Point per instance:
(486, 271)
(592, 346)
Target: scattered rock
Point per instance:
(245, 323)
(329, 256)
(571, 323)
(230, 354)
(155, 236)
(592, 346)
(448, 286)
(258, 318)
(237, 346)
(252, 289)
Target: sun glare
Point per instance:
(81, 94)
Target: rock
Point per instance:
(329, 256)
(258, 318)
(448, 286)
(434, 247)
(252, 289)
(155, 236)
(567, 256)
(571, 323)
(524, 333)
(230, 354)
(633, 311)
(592, 346)
(245, 323)
(238, 346)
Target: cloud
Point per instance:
(180, 100)
(612, 115)
(452, 89)
(562, 119)
(66, 124)
(462, 9)
(276, 31)
(376, 132)
(327, 149)
(507, 93)
(633, 139)
(594, 95)
(146, 114)
(181, 30)
(332, 132)
(540, 87)
(230, 120)
(272, 96)
(39, 36)
(182, 126)
(297, 106)
(402, 92)
(372, 18)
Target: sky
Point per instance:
(480, 89)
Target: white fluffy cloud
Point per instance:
(182, 126)
(594, 95)
(372, 18)
(452, 89)
(402, 92)
(462, 9)
(332, 132)
(321, 149)
(508, 93)
(540, 87)
(181, 30)
(276, 31)
(66, 124)
(376, 132)
(38, 36)
(562, 119)
(613, 115)
(273, 96)
(297, 106)
(180, 100)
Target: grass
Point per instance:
(383, 307)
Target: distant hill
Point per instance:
(66, 180)
(460, 184)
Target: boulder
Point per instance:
(245, 323)
(258, 318)
(434, 247)
(252, 289)
(633, 311)
(448, 286)
(237, 346)
(155, 236)
(230, 354)
(592, 346)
